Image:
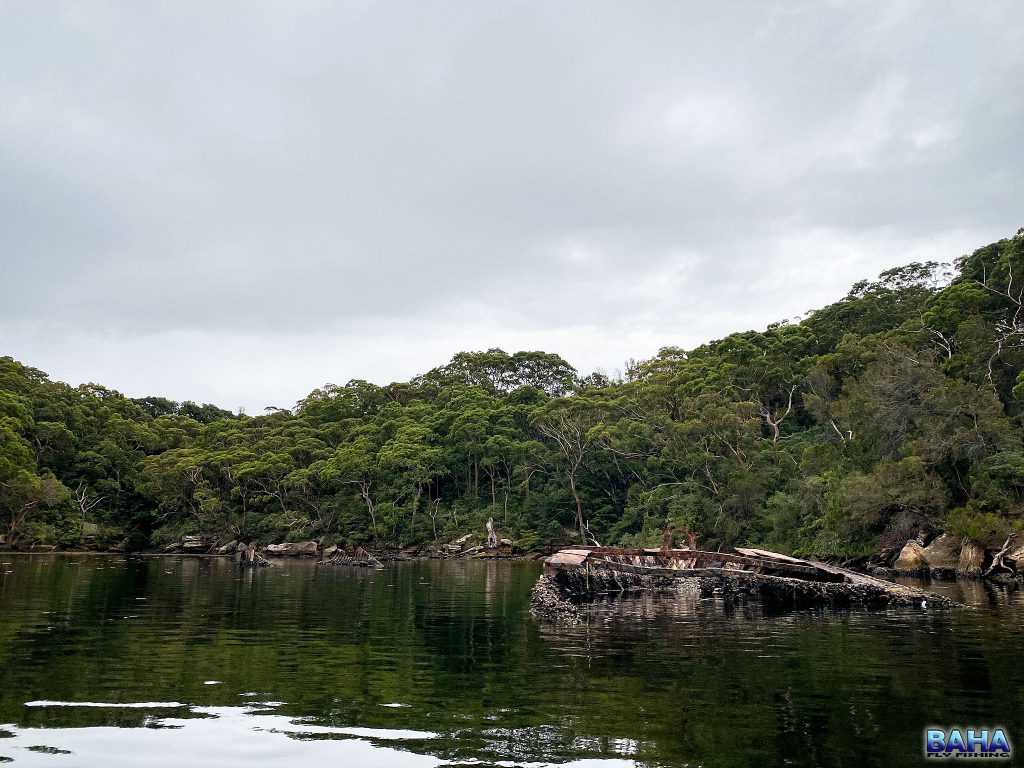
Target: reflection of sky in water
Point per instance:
(440, 663)
(222, 737)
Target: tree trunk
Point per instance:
(364, 489)
(415, 506)
(579, 508)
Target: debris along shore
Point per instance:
(575, 577)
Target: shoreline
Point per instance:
(525, 557)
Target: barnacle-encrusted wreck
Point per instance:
(574, 577)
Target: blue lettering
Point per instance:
(936, 741)
(975, 740)
(999, 742)
(956, 741)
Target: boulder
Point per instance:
(293, 549)
(240, 547)
(197, 544)
(462, 541)
(329, 551)
(228, 548)
(911, 558)
(972, 559)
(943, 554)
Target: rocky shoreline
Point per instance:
(462, 548)
(940, 556)
(945, 556)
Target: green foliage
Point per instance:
(892, 411)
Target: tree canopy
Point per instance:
(893, 411)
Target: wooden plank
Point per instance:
(751, 552)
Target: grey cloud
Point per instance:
(247, 168)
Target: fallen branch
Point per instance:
(997, 561)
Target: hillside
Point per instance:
(892, 412)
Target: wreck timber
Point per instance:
(687, 562)
(573, 577)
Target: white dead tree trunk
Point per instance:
(775, 418)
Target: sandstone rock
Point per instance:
(197, 544)
(240, 547)
(228, 548)
(462, 541)
(943, 554)
(292, 549)
(911, 558)
(972, 559)
(329, 551)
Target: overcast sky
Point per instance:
(236, 202)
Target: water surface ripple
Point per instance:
(111, 661)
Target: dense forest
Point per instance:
(894, 411)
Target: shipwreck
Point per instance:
(574, 577)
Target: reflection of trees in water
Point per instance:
(673, 679)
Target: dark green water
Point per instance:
(189, 662)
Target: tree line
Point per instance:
(894, 411)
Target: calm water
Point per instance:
(188, 662)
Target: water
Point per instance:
(106, 661)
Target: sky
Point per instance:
(237, 202)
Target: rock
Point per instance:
(462, 541)
(175, 547)
(228, 548)
(911, 558)
(505, 542)
(972, 559)
(240, 547)
(943, 554)
(197, 544)
(329, 551)
(293, 549)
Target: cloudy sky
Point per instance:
(237, 202)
